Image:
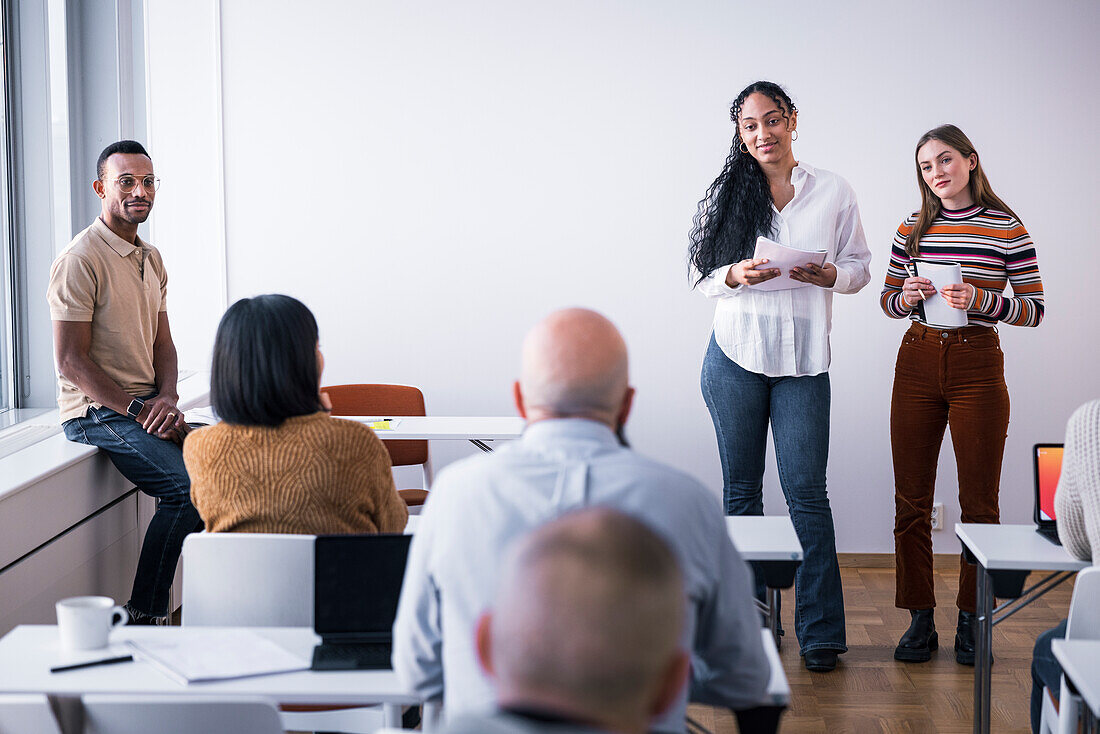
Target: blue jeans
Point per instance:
(1045, 671)
(155, 466)
(741, 403)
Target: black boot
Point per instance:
(964, 639)
(920, 639)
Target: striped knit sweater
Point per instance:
(1077, 500)
(993, 249)
(313, 474)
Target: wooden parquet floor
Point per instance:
(871, 692)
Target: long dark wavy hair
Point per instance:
(930, 205)
(737, 207)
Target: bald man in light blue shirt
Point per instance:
(575, 395)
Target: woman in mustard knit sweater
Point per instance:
(278, 463)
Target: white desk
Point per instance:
(1005, 555)
(476, 430)
(771, 542)
(28, 652)
(1080, 661)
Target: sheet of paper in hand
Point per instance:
(784, 258)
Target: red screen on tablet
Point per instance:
(1048, 469)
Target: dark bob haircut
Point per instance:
(123, 146)
(265, 362)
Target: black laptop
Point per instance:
(357, 582)
(1048, 468)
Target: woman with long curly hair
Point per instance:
(768, 357)
(950, 376)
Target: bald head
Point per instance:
(588, 620)
(574, 365)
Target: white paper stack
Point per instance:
(194, 655)
(783, 257)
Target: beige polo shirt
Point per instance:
(121, 289)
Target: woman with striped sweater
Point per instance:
(952, 376)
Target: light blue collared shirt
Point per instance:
(477, 507)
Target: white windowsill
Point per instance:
(53, 453)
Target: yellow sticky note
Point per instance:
(381, 425)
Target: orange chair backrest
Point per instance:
(383, 401)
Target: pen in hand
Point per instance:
(92, 663)
(912, 270)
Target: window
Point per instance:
(7, 255)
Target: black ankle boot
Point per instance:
(920, 639)
(964, 639)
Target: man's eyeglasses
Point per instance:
(126, 184)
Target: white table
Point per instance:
(771, 542)
(28, 652)
(1080, 661)
(477, 430)
(1005, 555)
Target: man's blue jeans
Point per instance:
(155, 466)
(1045, 671)
(741, 404)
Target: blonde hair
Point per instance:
(930, 205)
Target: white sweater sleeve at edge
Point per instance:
(1077, 499)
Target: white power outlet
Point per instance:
(937, 516)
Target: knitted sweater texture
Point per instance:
(1077, 499)
(313, 474)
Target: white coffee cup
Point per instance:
(83, 622)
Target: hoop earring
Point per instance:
(743, 148)
(794, 135)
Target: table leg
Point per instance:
(983, 651)
(773, 614)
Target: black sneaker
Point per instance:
(140, 619)
(820, 661)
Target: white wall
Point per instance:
(433, 178)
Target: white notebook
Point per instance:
(191, 655)
(783, 257)
(937, 311)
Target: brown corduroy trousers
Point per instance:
(944, 377)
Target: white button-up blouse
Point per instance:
(786, 332)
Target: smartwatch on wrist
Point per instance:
(135, 408)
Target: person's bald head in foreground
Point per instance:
(587, 623)
(574, 366)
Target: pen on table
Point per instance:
(92, 663)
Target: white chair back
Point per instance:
(179, 715)
(248, 580)
(26, 712)
(1084, 622)
(261, 580)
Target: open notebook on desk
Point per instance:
(194, 655)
